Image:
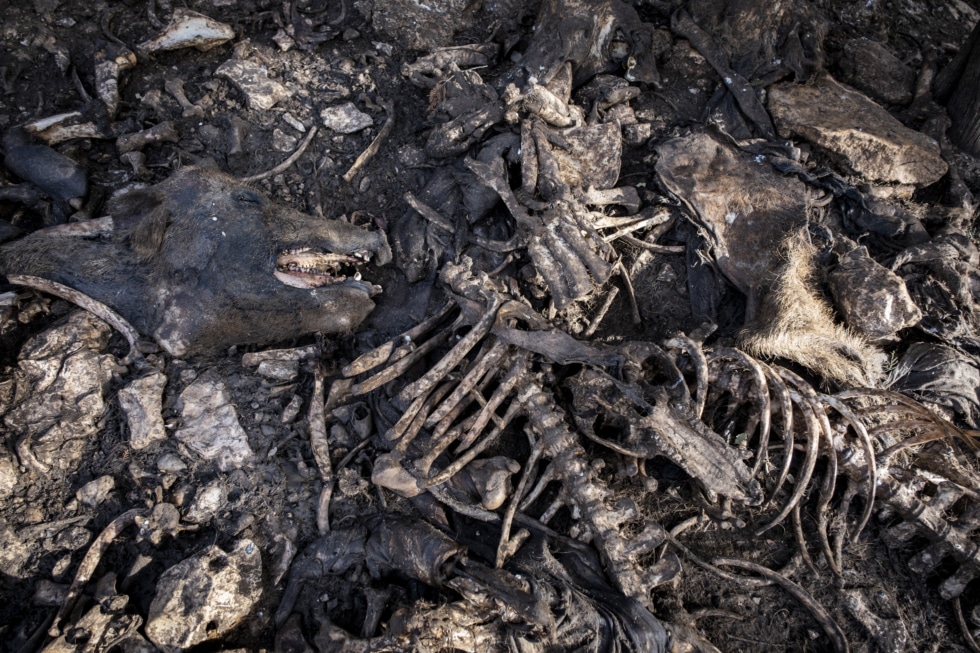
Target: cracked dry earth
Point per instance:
(487, 326)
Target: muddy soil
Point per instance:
(324, 55)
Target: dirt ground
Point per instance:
(51, 519)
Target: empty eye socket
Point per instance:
(249, 197)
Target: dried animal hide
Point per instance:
(796, 323)
(752, 219)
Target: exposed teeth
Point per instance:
(303, 267)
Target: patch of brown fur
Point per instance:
(796, 323)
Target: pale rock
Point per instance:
(207, 502)
(252, 79)
(95, 492)
(210, 424)
(170, 463)
(859, 134)
(9, 473)
(345, 118)
(63, 375)
(142, 402)
(205, 596)
(283, 142)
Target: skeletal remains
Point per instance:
(487, 418)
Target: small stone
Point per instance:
(345, 118)
(95, 492)
(170, 463)
(294, 122)
(207, 502)
(283, 142)
(252, 79)
(205, 596)
(142, 402)
(860, 134)
(638, 134)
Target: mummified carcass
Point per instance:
(202, 262)
(568, 150)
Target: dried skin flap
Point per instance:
(743, 206)
(593, 157)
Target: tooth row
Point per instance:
(293, 267)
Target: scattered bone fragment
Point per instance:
(889, 633)
(252, 79)
(210, 424)
(205, 596)
(431, 69)
(153, 98)
(142, 402)
(253, 359)
(882, 149)
(110, 63)
(176, 88)
(65, 127)
(110, 622)
(188, 29)
(278, 371)
(137, 161)
(164, 132)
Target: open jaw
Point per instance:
(307, 268)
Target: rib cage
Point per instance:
(742, 416)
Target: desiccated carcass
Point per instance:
(202, 262)
(551, 596)
(753, 220)
(596, 37)
(943, 278)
